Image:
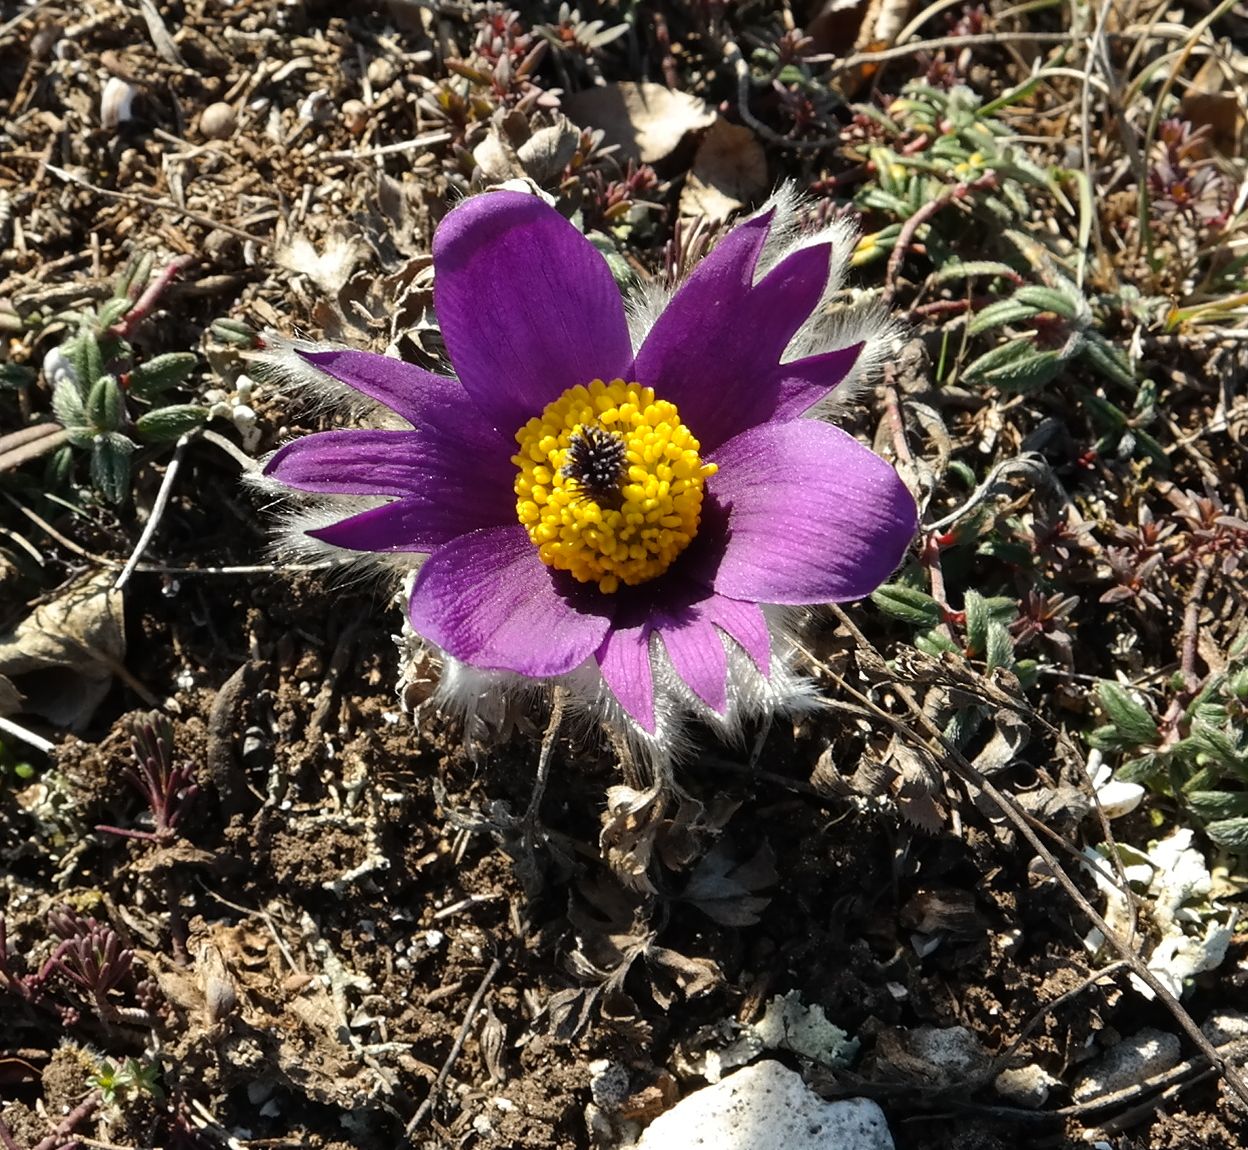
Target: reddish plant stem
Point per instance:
(933, 541)
(146, 303)
(909, 229)
(65, 1127)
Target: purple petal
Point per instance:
(528, 308)
(488, 600)
(715, 351)
(353, 463)
(812, 515)
(445, 489)
(696, 652)
(402, 387)
(425, 400)
(691, 636)
(804, 382)
(624, 659)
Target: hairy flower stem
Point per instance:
(529, 822)
(929, 551)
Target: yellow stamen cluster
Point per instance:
(629, 538)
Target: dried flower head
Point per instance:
(625, 505)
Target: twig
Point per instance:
(157, 512)
(733, 57)
(152, 202)
(1191, 621)
(1049, 1007)
(29, 443)
(8, 727)
(462, 1037)
(429, 141)
(910, 228)
(1023, 825)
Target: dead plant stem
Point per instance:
(465, 1027)
(1022, 824)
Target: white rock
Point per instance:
(1144, 1054)
(1224, 1026)
(767, 1107)
(1025, 1085)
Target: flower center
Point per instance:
(610, 483)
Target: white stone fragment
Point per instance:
(1224, 1026)
(1146, 1053)
(1025, 1085)
(767, 1107)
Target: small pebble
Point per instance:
(1145, 1054)
(1025, 1086)
(381, 72)
(1224, 1026)
(217, 121)
(355, 116)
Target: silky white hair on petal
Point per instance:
(280, 365)
(295, 514)
(643, 306)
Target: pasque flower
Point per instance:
(625, 510)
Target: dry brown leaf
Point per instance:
(1211, 102)
(11, 698)
(729, 172)
(646, 121)
(79, 633)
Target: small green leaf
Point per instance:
(113, 311)
(1217, 744)
(166, 424)
(234, 331)
(936, 643)
(85, 358)
(976, 621)
(1107, 359)
(1211, 805)
(999, 650)
(162, 372)
(1140, 770)
(1015, 366)
(1048, 299)
(1133, 722)
(908, 604)
(106, 406)
(998, 314)
(1028, 672)
(134, 275)
(67, 405)
(959, 269)
(1229, 833)
(110, 466)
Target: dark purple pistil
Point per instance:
(596, 461)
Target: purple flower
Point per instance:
(622, 513)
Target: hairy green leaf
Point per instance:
(908, 604)
(1133, 722)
